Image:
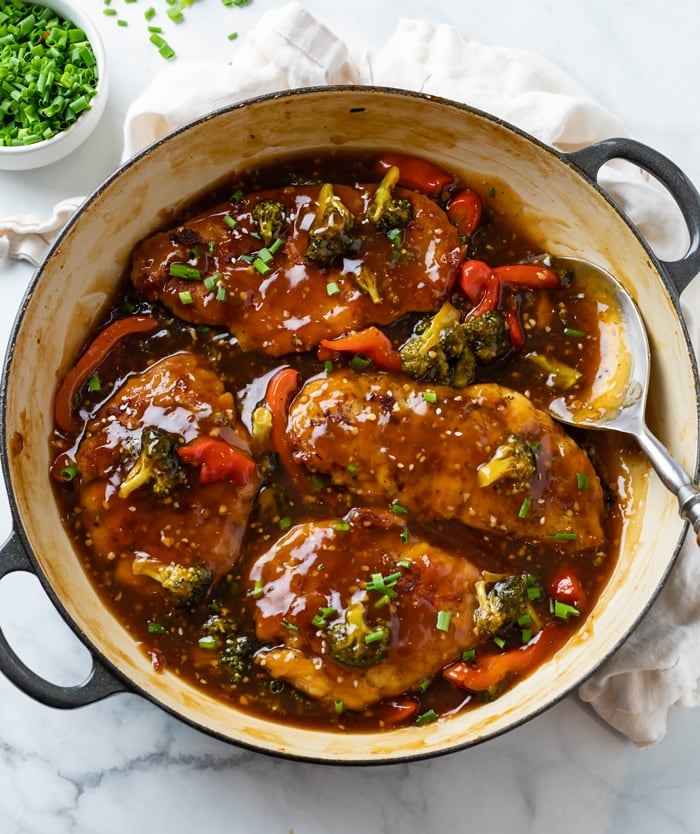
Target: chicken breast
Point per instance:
(284, 304)
(355, 614)
(379, 437)
(195, 522)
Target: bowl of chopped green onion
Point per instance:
(53, 83)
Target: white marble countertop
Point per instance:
(123, 764)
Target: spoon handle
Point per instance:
(673, 476)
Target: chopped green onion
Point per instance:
(423, 686)
(443, 621)
(374, 636)
(221, 293)
(427, 717)
(237, 196)
(265, 255)
(575, 334)
(261, 266)
(360, 362)
(526, 635)
(403, 563)
(275, 245)
(318, 620)
(208, 642)
(289, 626)
(210, 283)
(351, 468)
(563, 610)
(565, 537)
(338, 706)
(430, 396)
(232, 36)
(150, 13)
(525, 508)
(534, 592)
(285, 523)
(230, 221)
(499, 641)
(328, 366)
(156, 628)
(332, 288)
(186, 297)
(582, 480)
(341, 526)
(405, 535)
(468, 654)
(191, 273)
(68, 473)
(398, 509)
(276, 686)
(94, 383)
(258, 589)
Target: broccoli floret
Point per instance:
(354, 643)
(220, 627)
(488, 336)
(513, 461)
(236, 656)
(386, 211)
(438, 350)
(331, 233)
(507, 602)
(367, 282)
(157, 465)
(270, 218)
(185, 585)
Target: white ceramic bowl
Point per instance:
(51, 150)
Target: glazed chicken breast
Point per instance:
(279, 300)
(354, 613)
(166, 477)
(483, 455)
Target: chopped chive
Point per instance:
(565, 537)
(563, 610)
(341, 526)
(351, 468)
(374, 636)
(403, 563)
(575, 334)
(191, 273)
(150, 13)
(275, 245)
(156, 628)
(332, 288)
(430, 396)
(499, 641)
(427, 717)
(327, 611)
(109, 12)
(492, 191)
(468, 654)
(230, 221)
(318, 621)
(423, 686)
(284, 523)
(289, 626)
(534, 592)
(221, 293)
(186, 297)
(94, 383)
(175, 14)
(232, 36)
(443, 621)
(360, 362)
(398, 509)
(122, 22)
(208, 642)
(338, 706)
(405, 535)
(328, 366)
(210, 283)
(582, 480)
(525, 508)
(68, 473)
(524, 620)
(237, 196)
(258, 589)
(261, 266)
(526, 635)
(384, 600)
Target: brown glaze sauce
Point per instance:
(559, 323)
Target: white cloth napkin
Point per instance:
(659, 665)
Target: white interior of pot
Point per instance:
(558, 208)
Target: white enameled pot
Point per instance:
(564, 210)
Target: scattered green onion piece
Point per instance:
(443, 621)
(374, 636)
(328, 366)
(499, 641)
(403, 563)
(150, 13)
(232, 36)
(275, 245)
(575, 334)
(289, 626)
(526, 635)
(565, 537)
(285, 523)
(563, 610)
(318, 621)
(155, 628)
(68, 473)
(524, 620)
(468, 654)
(534, 593)
(109, 12)
(191, 273)
(405, 535)
(430, 396)
(230, 221)
(341, 526)
(266, 255)
(175, 15)
(332, 288)
(208, 642)
(221, 293)
(237, 196)
(258, 589)
(423, 686)
(351, 468)
(360, 362)
(525, 508)
(94, 383)
(398, 509)
(186, 297)
(261, 266)
(582, 481)
(122, 22)
(167, 51)
(210, 283)
(384, 600)
(338, 706)
(427, 717)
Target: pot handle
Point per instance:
(100, 682)
(591, 158)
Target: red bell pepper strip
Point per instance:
(465, 210)
(370, 342)
(217, 461)
(490, 669)
(279, 391)
(479, 283)
(528, 276)
(89, 361)
(416, 173)
(396, 710)
(565, 586)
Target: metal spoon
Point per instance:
(620, 402)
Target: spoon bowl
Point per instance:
(617, 399)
